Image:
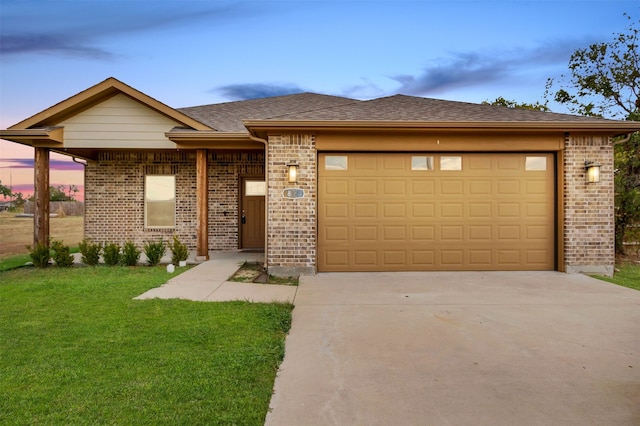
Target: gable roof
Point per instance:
(228, 116)
(96, 94)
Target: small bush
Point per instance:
(39, 255)
(130, 254)
(90, 252)
(179, 251)
(154, 251)
(61, 254)
(111, 254)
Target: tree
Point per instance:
(605, 82)
(500, 101)
(5, 191)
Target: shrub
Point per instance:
(130, 254)
(111, 254)
(39, 255)
(154, 251)
(61, 254)
(90, 252)
(179, 251)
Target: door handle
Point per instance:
(243, 218)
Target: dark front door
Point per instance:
(252, 213)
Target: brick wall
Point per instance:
(114, 195)
(291, 231)
(589, 241)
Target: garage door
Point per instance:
(422, 212)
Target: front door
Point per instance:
(252, 212)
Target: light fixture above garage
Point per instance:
(593, 171)
(293, 171)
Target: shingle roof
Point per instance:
(411, 108)
(227, 117)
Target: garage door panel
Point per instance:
(422, 187)
(381, 215)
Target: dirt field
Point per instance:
(16, 233)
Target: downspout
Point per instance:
(623, 140)
(266, 201)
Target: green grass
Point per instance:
(76, 349)
(627, 276)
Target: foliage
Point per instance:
(19, 200)
(131, 361)
(605, 81)
(627, 188)
(40, 255)
(90, 252)
(130, 254)
(111, 254)
(61, 254)
(5, 191)
(605, 78)
(179, 251)
(154, 251)
(500, 101)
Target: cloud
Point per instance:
(237, 92)
(74, 28)
(27, 163)
(49, 43)
(475, 69)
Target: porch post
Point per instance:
(202, 189)
(41, 197)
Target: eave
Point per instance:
(192, 139)
(41, 136)
(606, 127)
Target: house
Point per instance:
(326, 183)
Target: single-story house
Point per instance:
(327, 183)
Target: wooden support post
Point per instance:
(202, 190)
(41, 197)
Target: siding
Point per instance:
(119, 122)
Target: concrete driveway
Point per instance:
(476, 348)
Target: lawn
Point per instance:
(628, 275)
(76, 349)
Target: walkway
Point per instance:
(207, 282)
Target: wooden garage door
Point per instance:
(422, 212)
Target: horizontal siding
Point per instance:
(118, 122)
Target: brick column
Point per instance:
(589, 237)
(292, 222)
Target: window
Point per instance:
(421, 162)
(335, 162)
(159, 201)
(255, 188)
(536, 163)
(451, 163)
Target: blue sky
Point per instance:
(195, 52)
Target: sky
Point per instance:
(197, 52)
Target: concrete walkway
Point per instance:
(496, 348)
(207, 282)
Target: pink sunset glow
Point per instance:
(16, 170)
